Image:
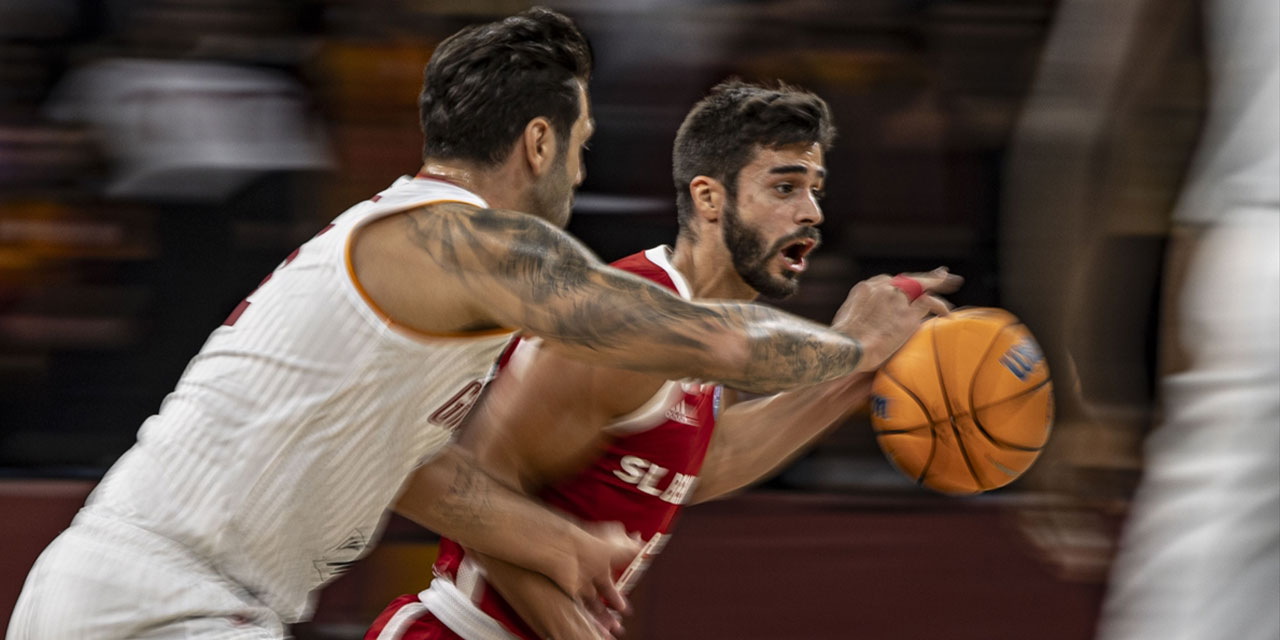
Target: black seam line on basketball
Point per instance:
(983, 358)
(973, 411)
(951, 414)
(895, 432)
(1025, 392)
(1000, 443)
(928, 462)
(933, 433)
(911, 394)
(964, 453)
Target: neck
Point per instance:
(708, 268)
(492, 184)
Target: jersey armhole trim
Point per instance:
(650, 414)
(386, 318)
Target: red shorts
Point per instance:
(406, 618)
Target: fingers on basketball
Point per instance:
(933, 305)
(940, 280)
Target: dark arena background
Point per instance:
(159, 157)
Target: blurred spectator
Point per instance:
(181, 109)
(192, 130)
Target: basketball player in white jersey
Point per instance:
(330, 393)
(604, 443)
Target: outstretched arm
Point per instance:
(754, 438)
(540, 279)
(515, 270)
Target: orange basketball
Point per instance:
(967, 403)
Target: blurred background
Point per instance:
(159, 157)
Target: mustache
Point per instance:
(806, 233)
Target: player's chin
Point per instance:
(788, 274)
(783, 285)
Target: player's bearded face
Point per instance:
(755, 259)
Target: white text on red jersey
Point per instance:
(646, 475)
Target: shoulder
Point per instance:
(494, 241)
(459, 221)
(494, 224)
(428, 266)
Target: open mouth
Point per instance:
(793, 254)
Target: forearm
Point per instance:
(756, 437)
(786, 352)
(548, 610)
(745, 346)
(452, 496)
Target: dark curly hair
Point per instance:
(720, 134)
(484, 83)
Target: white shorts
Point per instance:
(102, 579)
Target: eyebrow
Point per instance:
(796, 168)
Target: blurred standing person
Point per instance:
(605, 444)
(1200, 556)
(330, 394)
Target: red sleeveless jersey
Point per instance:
(645, 475)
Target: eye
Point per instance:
(818, 193)
(785, 188)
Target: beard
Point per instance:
(553, 195)
(754, 260)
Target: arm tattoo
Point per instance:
(569, 297)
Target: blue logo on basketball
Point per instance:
(1021, 359)
(880, 407)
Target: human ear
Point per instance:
(708, 195)
(539, 145)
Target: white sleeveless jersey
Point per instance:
(291, 432)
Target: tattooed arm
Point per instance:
(452, 266)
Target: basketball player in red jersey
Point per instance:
(329, 395)
(603, 443)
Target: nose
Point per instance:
(582, 175)
(810, 212)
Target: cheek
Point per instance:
(759, 209)
(773, 216)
